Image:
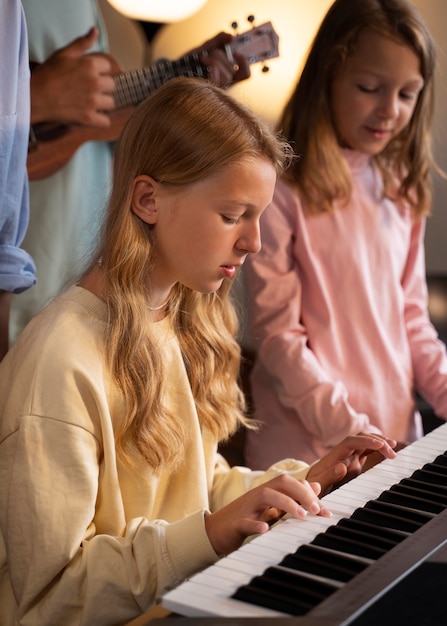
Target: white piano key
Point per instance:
(238, 564)
(289, 541)
(339, 504)
(255, 552)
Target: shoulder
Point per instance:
(285, 191)
(286, 200)
(56, 369)
(67, 333)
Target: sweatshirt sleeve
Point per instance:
(428, 352)
(275, 294)
(230, 483)
(62, 569)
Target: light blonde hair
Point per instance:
(320, 171)
(185, 132)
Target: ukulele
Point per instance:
(52, 145)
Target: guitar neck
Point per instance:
(256, 45)
(133, 87)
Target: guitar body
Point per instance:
(54, 144)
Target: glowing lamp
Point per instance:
(157, 10)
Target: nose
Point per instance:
(389, 106)
(249, 240)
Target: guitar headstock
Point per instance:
(258, 44)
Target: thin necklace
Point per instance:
(158, 308)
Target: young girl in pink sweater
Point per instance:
(337, 295)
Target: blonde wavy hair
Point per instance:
(186, 131)
(320, 171)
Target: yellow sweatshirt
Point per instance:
(84, 540)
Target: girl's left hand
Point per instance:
(348, 458)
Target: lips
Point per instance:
(379, 131)
(228, 270)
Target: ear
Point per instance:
(143, 199)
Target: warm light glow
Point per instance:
(295, 21)
(157, 10)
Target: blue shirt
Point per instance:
(17, 271)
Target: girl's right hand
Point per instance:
(348, 459)
(255, 511)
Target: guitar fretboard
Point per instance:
(133, 87)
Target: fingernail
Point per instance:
(314, 508)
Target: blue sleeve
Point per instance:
(17, 270)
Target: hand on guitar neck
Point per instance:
(78, 96)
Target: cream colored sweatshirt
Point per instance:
(83, 539)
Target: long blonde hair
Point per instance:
(320, 171)
(185, 132)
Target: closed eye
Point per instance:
(367, 89)
(405, 95)
(230, 220)
(409, 95)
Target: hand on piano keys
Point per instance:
(255, 511)
(348, 459)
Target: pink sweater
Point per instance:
(338, 315)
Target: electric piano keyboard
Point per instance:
(385, 523)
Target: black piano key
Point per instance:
(349, 546)
(439, 468)
(441, 459)
(411, 501)
(379, 541)
(284, 591)
(393, 535)
(418, 517)
(270, 600)
(431, 477)
(433, 488)
(386, 520)
(314, 560)
(415, 500)
(415, 489)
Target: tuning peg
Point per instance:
(251, 19)
(234, 25)
(265, 69)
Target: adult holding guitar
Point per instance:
(72, 83)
